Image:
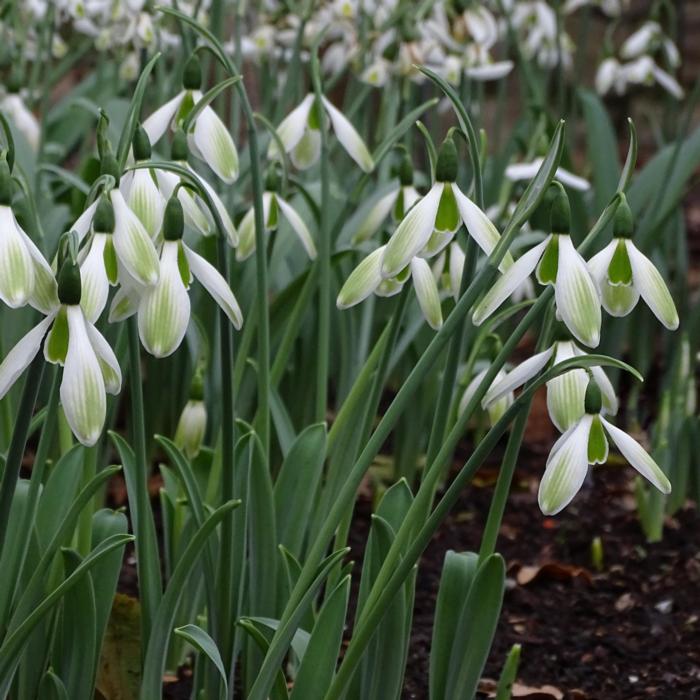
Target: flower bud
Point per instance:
(173, 220)
(141, 144)
(191, 427)
(192, 76)
(69, 285)
(446, 167)
(561, 211)
(623, 223)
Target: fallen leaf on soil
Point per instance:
(624, 602)
(552, 570)
(519, 690)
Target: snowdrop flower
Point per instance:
(300, 135)
(433, 221)
(273, 207)
(559, 264)
(25, 276)
(90, 368)
(377, 73)
(455, 258)
(193, 421)
(208, 138)
(642, 71)
(565, 393)
(481, 67)
(584, 443)
(397, 201)
(527, 171)
(623, 274)
(495, 408)
(646, 40)
(612, 8)
(164, 308)
(367, 279)
(22, 117)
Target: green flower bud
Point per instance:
(593, 401)
(141, 144)
(179, 149)
(561, 211)
(109, 166)
(446, 167)
(623, 223)
(69, 285)
(5, 184)
(173, 220)
(103, 221)
(192, 76)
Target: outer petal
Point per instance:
(651, 286)
(211, 142)
(246, 242)
(489, 71)
(45, 294)
(375, 217)
(297, 223)
(21, 355)
(82, 387)
(566, 470)
(157, 124)
(146, 201)
(16, 266)
(307, 151)
(480, 227)
(132, 244)
(522, 171)
(412, 233)
(216, 285)
(573, 181)
(457, 259)
(576, 295)
(637, 456)
(566, 393)
(194, 216)
(363, 280)
(426, 292)
(349, 138)
(93, 276)
(517, 377)
(506, 284)
(164, 308)
(111, 372)
(610, 402)
(292, 127)
(229, 228)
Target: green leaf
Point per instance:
(199, 639)
(508, 674)
(282, 421)
(52, 687)
(279, 687)
(630, 161)
(154, 663)
(297, 484)
(207, 98)
(475, 629)
(321, 656)
(458, 573)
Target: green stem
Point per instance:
(13, 463)
(147, 561)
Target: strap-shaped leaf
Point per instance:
(199, 639)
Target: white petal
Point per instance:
(490, 71)
(246, 238)
(576, 295)
(610, 402)
(598, 265)
(573, 181)
(44, 297)
(637, 456)
(194, 216)
(457, 259)
(517, 377)
(229, 228)
(132, 243)
(668, 82)
(507, 283)
(426, 292)
(523, 171)
(292, 127)
(164, 308)
(211, 142)
(375, 217)
(82, 224)
(297, 223)
(82, 387)
(16, 266)
(412, 233)
(124, 304)
(363, 280)
(111, 372)
(349, 138)
(307, 151)
(566, 393)
(566, 471)
(146, 201)
(650, 284)
(216, 285)
(157, 124)
(480, 227)
(93, 277)
(21, 355)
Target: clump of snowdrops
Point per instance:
(216, 277)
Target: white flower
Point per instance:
(23, 118)
(495, 408)
(558, 263)
(527, 171)
(273, 207)
(90, 367)
(565, 393)
(301, 138)
(376, 73)
(433, 221)
(208, 137)
(623, 274)
(191, 427)
(584, 443)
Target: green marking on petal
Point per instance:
(272, 215)
(620, 269)
(448, 218)
(314, 119)
(549, 264)
(109, 256)
(183, 266)
(56, 347)
(597, 443)
(399, 210)
(185, 108)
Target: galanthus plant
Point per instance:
(189, 484)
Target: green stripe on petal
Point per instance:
(16, 266)
(211, 142)
(597, 443)
(146, 201)
(363, 280)
(21, 355)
